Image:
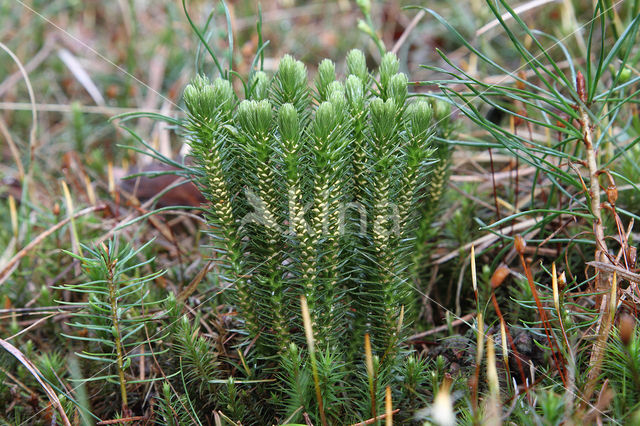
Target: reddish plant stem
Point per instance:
(516, 354)
(543, 318)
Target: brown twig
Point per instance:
(375, 419)
(487, 240)
(38, 309)
(521, 9)
(602, 285)
(34, 62)
(444, 327)
(15, 152)
(85, 109)
(610, 269)
(493, 181)
(123, 420)
(408, 30)
(35, 324)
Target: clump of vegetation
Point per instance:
(317, 193)
(331, 276)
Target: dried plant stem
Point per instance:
(479, 355)
(605, 321)
(306, 318)
(438, 329)
(15, 152)
(388, 406)
(375, 419)
(370, 372)
(594, 190)
(118, 421)
(602, 282)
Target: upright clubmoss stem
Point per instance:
(113, 301)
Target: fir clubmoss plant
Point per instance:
(316, 192)
(111, 323)
(282, 176)
(172, 409)
(198, 359)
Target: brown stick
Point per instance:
(602, 285)
(621, 272)
(118, 421)
(375, 419)
(407, 31)
(444, 327)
